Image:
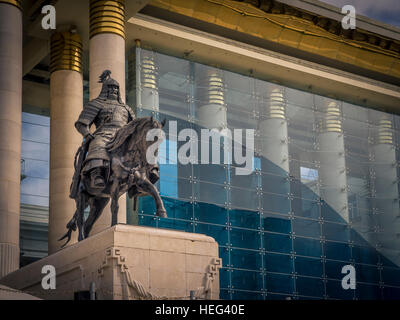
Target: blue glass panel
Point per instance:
(224, 255)
(277, 242)
(307, 247)
(329, 214)
(247, 295)
(335, 290)
(224, 294)
(357, 238)
(303, 191)
(281, 263)
(177, 209)
(148, 221)
(333, 269)
(185, 191)
(365, 255)
(307, 228)
(244, 199)
(210, 193)
(36, 168)
(167, 223)
(368, 292)
(185, 171)
(215, 173)
(365, 273)
(210, 213)
(224, 278)
(275, 203)
(276, 223)
(306, 208)
(309, 267)
(391, 276)
(35, 132)
(275, 296)
(275, 184)
(337, 251)
(219, 233)
(247, 280)
(247, 239)
(244, 259)
(279, 283)
(310, 287)
(169, 180)
(336, 232)
(147, 205)
(244, 181)
(391, 293)
(244, 218)
(386, 262)
(269, 167)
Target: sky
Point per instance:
(387, 11)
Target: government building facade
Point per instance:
(323, 101)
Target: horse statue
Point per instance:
(129, 172)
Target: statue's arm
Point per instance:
(86, 118)
(131, 113)
(83, 129)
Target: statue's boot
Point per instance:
(97, 179)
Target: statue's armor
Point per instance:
(108, 116)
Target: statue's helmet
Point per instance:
(108, 82)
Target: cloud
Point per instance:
(387, 11)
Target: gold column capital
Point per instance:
(16, 3)
(107, 16)
(65, 52)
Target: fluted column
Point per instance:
(332, 173)
(10, 133)
(385, 189)
(212, 113)
(274, 132)
(275, 150)
(107, 51)
(66, 103)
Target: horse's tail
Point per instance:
(71, 226)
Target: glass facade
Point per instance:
(35, 154)
(323, 193)
(323, 190)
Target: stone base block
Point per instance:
(128, 262)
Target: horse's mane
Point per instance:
(134, 127)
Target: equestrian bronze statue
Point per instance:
(112, 160)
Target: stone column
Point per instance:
(385, 192)
(275, 150)
(148, 89)
(212, 113)
(107, 51)
(10, 132)
(274, 132)
(332, 173)
(66, 103)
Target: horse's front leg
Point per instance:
(145, 185)
(81, 205)
(114, 202)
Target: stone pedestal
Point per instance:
(129, 262)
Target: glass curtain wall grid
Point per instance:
(323, 193)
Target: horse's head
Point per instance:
(133, 136)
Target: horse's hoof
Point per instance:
(162, 213)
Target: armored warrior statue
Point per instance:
(108, 114)
(112, 160)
